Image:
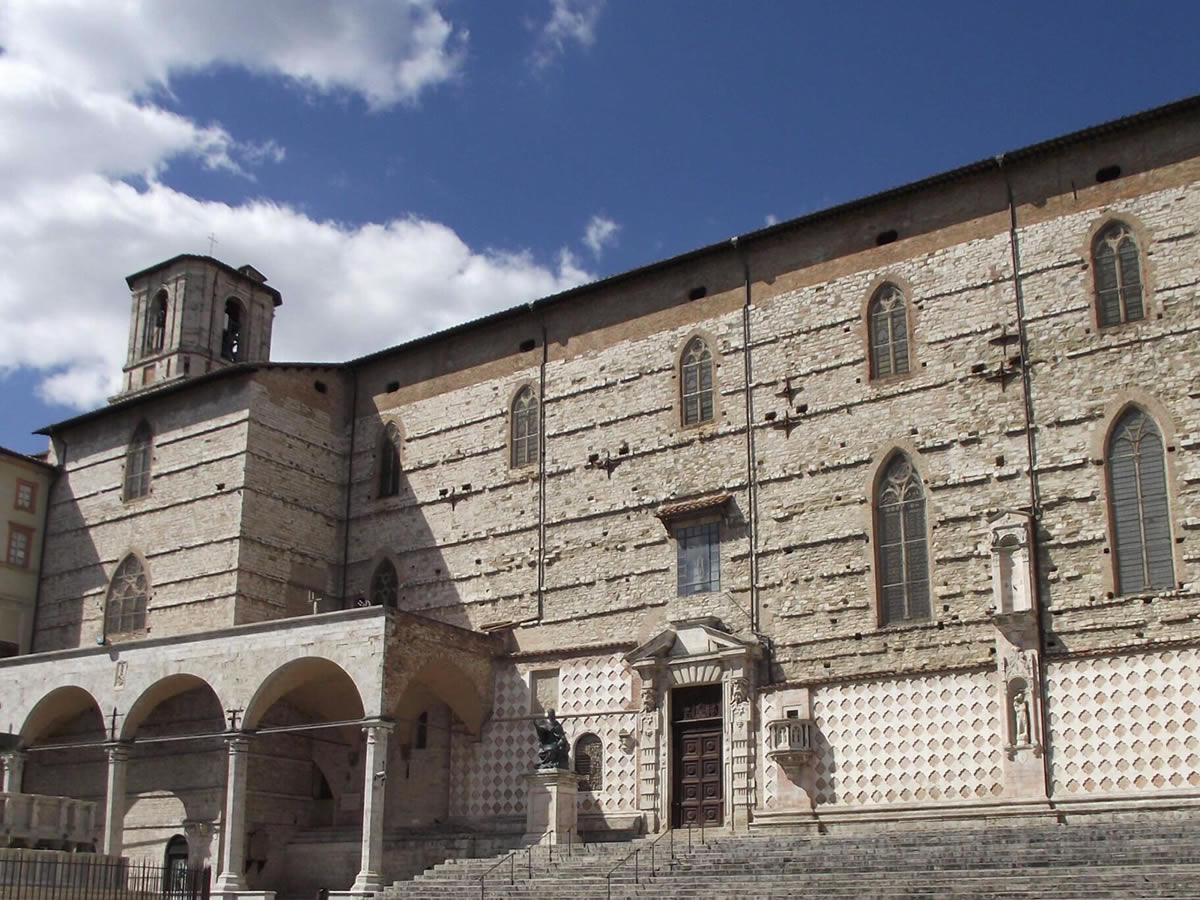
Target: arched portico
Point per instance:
(59, 761)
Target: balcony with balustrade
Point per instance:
(44, 822)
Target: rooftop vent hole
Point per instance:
(886, 237)
(1108, 173)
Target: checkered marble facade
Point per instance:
(595, 695)
(1124, 723)
(924, 740)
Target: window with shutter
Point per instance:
(389, 461)
(1117, 271)
(1137, 494)
(901, 551)
(137, 463)
(524, 428)
(696, 383)
(589, 762)
(887, 317)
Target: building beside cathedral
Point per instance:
(881, 515)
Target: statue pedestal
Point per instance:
(550, 813)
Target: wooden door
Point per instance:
(698, 787)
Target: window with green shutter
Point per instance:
(887, 317)
(1118, 276)
(1137, 496)
(901, 547)
(696, 383)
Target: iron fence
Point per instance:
(32, 876)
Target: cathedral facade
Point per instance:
(873, 517)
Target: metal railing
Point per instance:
(636, 854)
(512, 861)
(38, 875)
(512, 874)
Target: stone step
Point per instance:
(1051, 861)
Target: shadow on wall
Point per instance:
(69, 575)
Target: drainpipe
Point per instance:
(37, 591)
(541, 561)
(349, 487)
(1035, 505)
(751, 463)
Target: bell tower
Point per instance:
(191, 315)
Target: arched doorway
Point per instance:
(176, 880)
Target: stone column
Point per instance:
(233, 860)
(369, 877)
(648, 737)
(114, 800)
(14, 771)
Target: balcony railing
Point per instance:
(53, 822)
(791, 741)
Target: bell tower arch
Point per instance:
(192, 314)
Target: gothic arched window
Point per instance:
(156, 323)
(901, 551)
(137, 463)
(233, 342)
(1137, 498)
(696, 383)
(887, 319)
(384, 585)
(524, 428)
(389, 461)
(1118, 276)
(589, 762)
(128, 594)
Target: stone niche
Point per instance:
(1012, 563)
(1018, 657)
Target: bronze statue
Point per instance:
(553, 750)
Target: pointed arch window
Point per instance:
(233, 343)
(128, 594)
(901, 550)
(1137, 495)
(887, 319)
(696, 382)
(137, 463)
(384, 585)
(524, 428)
(156, 323)
(589, 762)
(1118, 274)
(389, 461)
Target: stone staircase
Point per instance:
(1159, 859)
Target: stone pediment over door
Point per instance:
(693, 651)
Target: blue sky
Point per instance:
(397, 166)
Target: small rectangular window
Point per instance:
(699, 558)
(26, 492)
(19, 539)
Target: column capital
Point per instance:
(377, 726)
(118, 751)
(238, 741)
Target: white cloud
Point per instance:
(570, 20)
(388, 51)
(600, 232)
(80, 120)
(771, 219)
